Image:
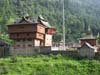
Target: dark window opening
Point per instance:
(29, 39)
(18, 40)
(29, 45)
(23, 46)
(23, 40)
(18, 45)
(21, 27)
(17, 34)
(27, 34)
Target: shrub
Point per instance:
(13, 59)
(3, 70)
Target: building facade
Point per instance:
(28, 33)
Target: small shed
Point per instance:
(4, 48)
(86, 50)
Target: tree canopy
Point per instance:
(78, 15)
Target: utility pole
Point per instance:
(63, 25)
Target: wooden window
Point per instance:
(28, 34)
(17, 34)
(18, 45)
(29, 39)
(39, 34)
(23, 46)
(23, 40)
(18, 40)
(29, 45)
(21, 27)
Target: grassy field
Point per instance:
(48, 65)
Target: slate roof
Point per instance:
(89, 37)
(45, 23)
(28, 19)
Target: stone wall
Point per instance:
(21, 51)
(29, 51)
(86, 52)
(4, 51)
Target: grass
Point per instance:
(48, 65)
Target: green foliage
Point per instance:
(48, 65)
(6, 38)
(98, 37)
(57, 37)
(2, 69)
(78, 15)
(13, 59)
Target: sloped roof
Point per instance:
(30, 20)
(43, 21)
(27, 19)
(41, 17)
(90, 46)
(89, 37)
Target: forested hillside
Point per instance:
(79, 15)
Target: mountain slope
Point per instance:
(79, 15)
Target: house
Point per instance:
(4, 48)
(87, 50)
(28, 33)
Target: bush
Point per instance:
(2, 69)
(13, 59)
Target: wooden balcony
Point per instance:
(26, 28)
(27, 36)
